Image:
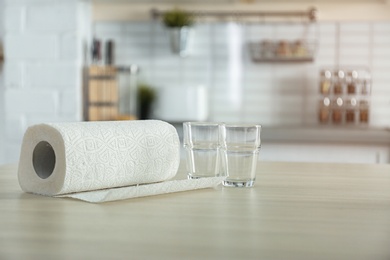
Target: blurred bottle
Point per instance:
(326, 82)
(110, 49)
(352, 81)
(366, 87)
(337, 111)
(339, 84)
(363, 111)
(324, 111)
(350, 111)
(96, 51)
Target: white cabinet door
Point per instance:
(323, 152)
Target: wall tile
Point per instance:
(296, 29)
(381, 76)
(354, 60)
(328, 28)
(381, 52)
(259, 71)
(259, 32)
(53, 75)
(354, 27)
(23, 101)
(14, 129)
(14, 72)
(381, 27)
(107, 28)
(135, 27)
(381, 39)
(326, 40)
(14, 18)
(69, 46)
(354, 50)
(38, 119)
(29, 46)
(57, 18)
(167, 81)
(349, 40)
(379, 64)
(12, 153)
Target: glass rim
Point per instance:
(246, 125)
(200, 123)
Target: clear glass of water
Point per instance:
(201, 143)
(240, 147)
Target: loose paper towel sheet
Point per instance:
(103, 161)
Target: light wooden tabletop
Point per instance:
(295, 211)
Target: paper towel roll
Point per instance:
(66, 158)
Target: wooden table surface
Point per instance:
(295, 211)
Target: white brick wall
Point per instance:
(44, 47)
(14, 17)
(52, 75)
(44, 17)
(29, 46)
(2, 113)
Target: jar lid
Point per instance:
(338, 102)
(340, 74)
(326, 101)
(351, 102)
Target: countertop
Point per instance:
(326, 134)
(294, 211)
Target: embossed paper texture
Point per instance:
(93, 156)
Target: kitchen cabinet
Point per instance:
(325, 152)
(326, 144)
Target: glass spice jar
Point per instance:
(299, 49)
(283, 50)
(326, 82)
(352, 79)
(324, 111)
(363, 111)
(337, 111)
(267, 51)
(366, 87)
(350, 111)
(339, 83)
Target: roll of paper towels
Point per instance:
(103, 161)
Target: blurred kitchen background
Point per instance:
(315, 74)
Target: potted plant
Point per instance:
(179, 23)
(146, 96)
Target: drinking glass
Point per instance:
(201, 143)
(240, 147)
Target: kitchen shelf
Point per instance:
(308, 15)
(259, 55)
(283, 60)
